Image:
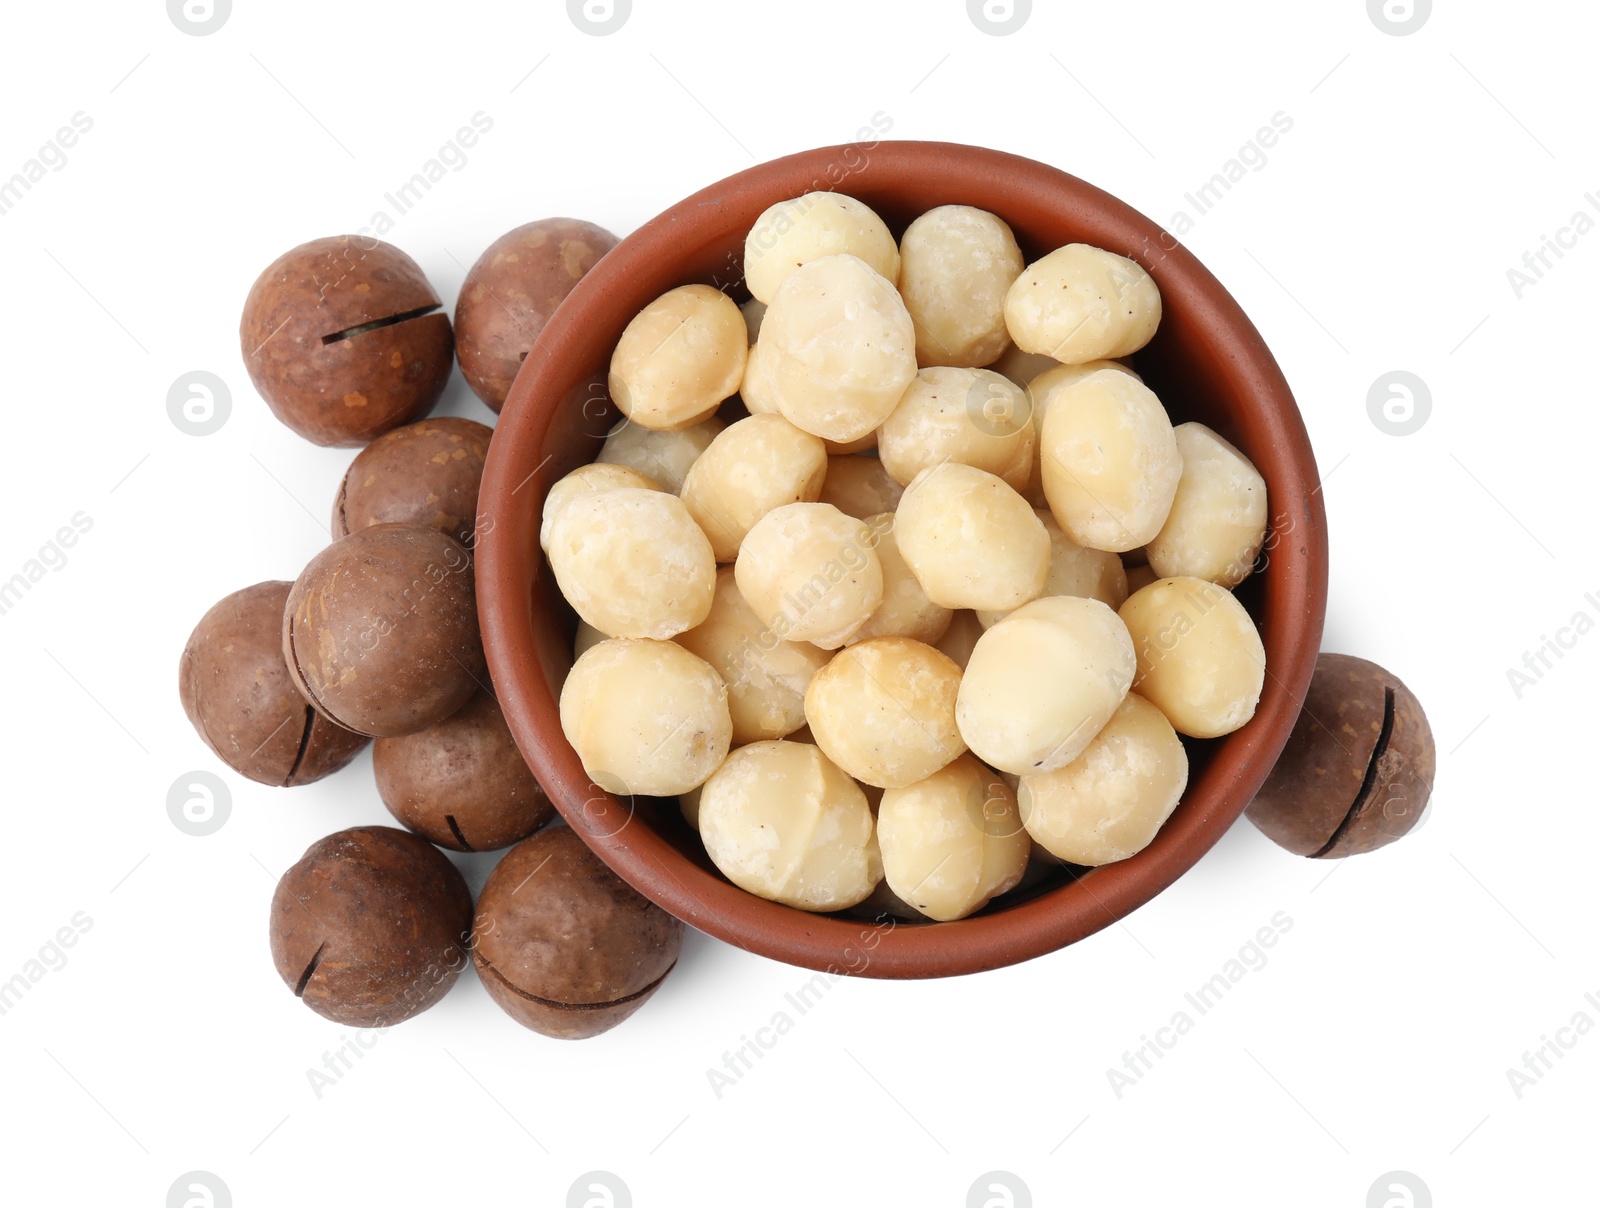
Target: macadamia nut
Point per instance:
(1201, 661)
(860, 487)
(755, 465)
(662, 457)
(1075, 571)
(646, 717)
(956, 264)
(959, 639)
(971, 416)
(906, 611)
(633, 562)
(590, 479)
(1109, 461)
(1082, 303)
(971, 540)
(810, 573)
(679, 358)
(952, 841)
(1110, 801)
(784, 823)
(1218, 520)
(795, 232)
(1039, 390)
(884, 710)
(1041, 683)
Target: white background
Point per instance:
(1378, 236)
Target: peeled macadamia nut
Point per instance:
(753, 310)
(906, 611)
(766, 676)
(1110, 801)
(755, 388)
(633, 562)
(1039, 389)
(860, 487)
(588, 479)
(810, 573)
(1109, 461)
(662, 457)
(755, 465)
(1082, 303)
(884, 710)
(971, 540)
(1042, 682)
(956, 264)
(971, 416)
(952, 841)
(782, 822)
(1075, 571)
(1201, 661)
(646, 717)
(959, 639)
(679, 358)
(796, 232)
(837, 348)
(1218, 519)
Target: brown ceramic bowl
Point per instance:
(1207, 362)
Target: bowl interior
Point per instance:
(1207, 363)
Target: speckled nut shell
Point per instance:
(1358, 768)
(371, 926)
(242, 701)
(381, 630)
(424, 473)
(564, 945)
(511, 292)
(462, 783)
(342, 338)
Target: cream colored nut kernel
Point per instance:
(971, 540)
(679, 358)
(633, 563)
(795, 232)
(1109, 461)
(952, 841)
(752, 309)
(846, 448)
(1075, 571)
(645, 717)
(959, 639)
(971, 416)
(586, 637)
(1201, 661)
(586, 480)
(860, 487)
(1039, 389)
(1041, 683)
(662, 457)
(1218, 520)
(1081, 303)
(782, 822)
(1109, 802)
(906, 611)
(753, 466)
(884, 710)
(810, 573)
(956, 264)
(766, 676)
(837, 348)
(755, 388)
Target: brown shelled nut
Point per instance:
(1358, 768)
(564, 945)
(371, 926)
(462, 783)
(241, 699)
(342, 338)
(425, 473)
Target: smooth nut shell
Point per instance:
(370, 927)
(425, 473)
(241, 699)
(565, 946)
(1358, 768)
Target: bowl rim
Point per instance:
(831, 943)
